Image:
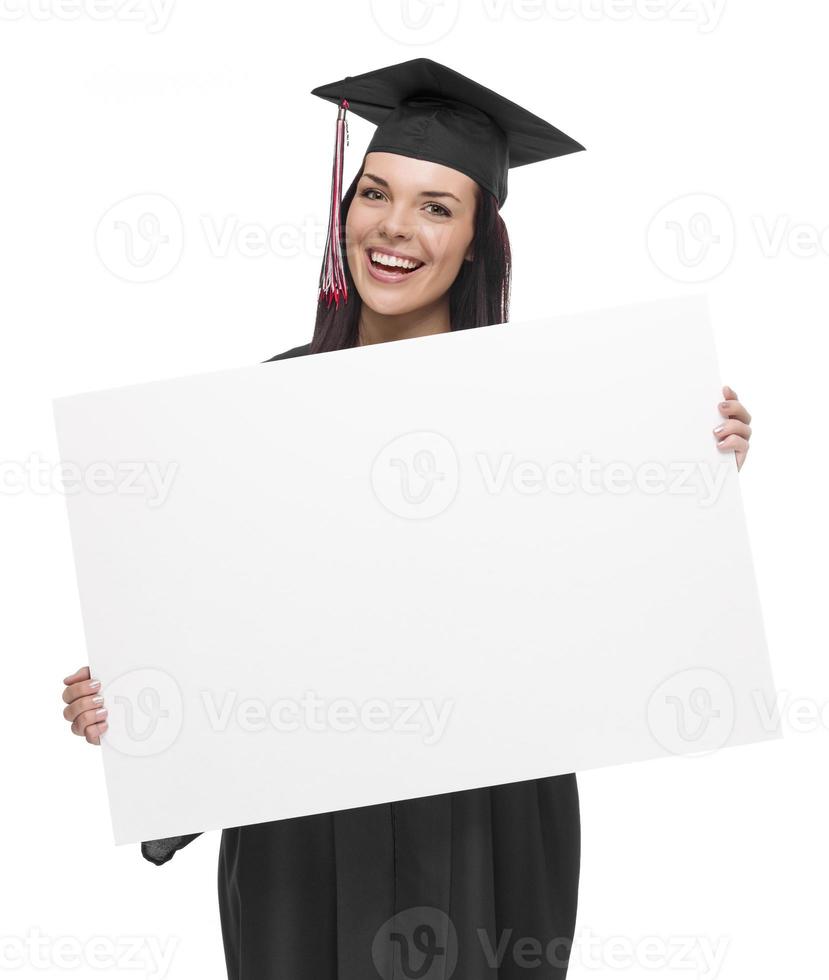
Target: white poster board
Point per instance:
(413, 568)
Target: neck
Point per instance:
(377, 328)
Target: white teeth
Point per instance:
(393, 260)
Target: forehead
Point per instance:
(404, 172)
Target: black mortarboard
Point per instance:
(428, 111)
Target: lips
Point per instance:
(388, 274)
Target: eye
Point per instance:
(442, 212)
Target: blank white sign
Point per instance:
(413, 568)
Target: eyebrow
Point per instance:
(385, 183)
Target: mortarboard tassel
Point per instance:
(332, 277)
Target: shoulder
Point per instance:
(293, 352)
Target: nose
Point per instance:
(396, 223)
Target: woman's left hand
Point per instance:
(734, 432)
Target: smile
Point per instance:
(389, 268)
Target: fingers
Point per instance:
(94, 733)
(731, 407)
(88, 723)
(81, 674)
(93, 702)
(80, 689)
(734, 443)
(733, 434)
(733, 427)
(85, 705)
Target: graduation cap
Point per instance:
(425, 110)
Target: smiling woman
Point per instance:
(437, 222)
(430, 189)
(475, 884)
(392, 223)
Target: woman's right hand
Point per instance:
(85, 706)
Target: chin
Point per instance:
(391, 309)
(379, 301)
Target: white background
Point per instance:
(207, 105)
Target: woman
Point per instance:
(475, 884)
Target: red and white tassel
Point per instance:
(332, 277)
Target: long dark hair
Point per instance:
(479, 296)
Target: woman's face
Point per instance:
(414, 209)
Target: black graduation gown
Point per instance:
(474, 885)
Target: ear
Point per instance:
(469, 257)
